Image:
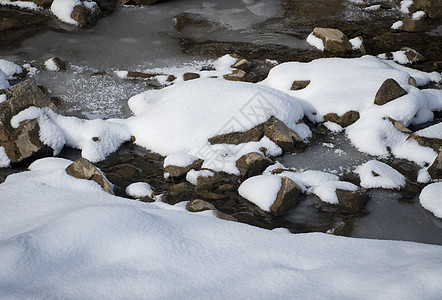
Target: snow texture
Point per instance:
(3, 98)
(431, 198)
(396, 25)
(376, 174)
(62, 237)
(9, 68)
(179, 159)
(139, 189)
(261, 190)
(434, 131)
(418, 15)
(51, 65)
(356, 43)
(62, 9)
(4, 158)
(4, 83)
(405, 5)
(315, 42)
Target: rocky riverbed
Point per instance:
(76, 76)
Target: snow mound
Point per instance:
(431, 198)
(139, 189)
(310, 178)
(107, 247)
(10, 68)
(376, 174)
(261, 190)
(179, 159)
(185, 115)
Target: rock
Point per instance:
(388, 91)
(212, 196)
(84, 169)
(287, 197)
(399, 126)
(412, 81)
(352, 201)
(435, 170)
(43, 3)
(198, 205)
(412, 56)
(25, 142)
(207, 183)
(223, 216)
(411, 25)
(83, 15)
(225, 188)
(140, 75)
(237, 75)
(345, 120)
(299, 84)
(433, 8)
(180, 172)
(252, 164)
(433, 143)
(334, 40)
(180, 188)
(170, 78)
(242, 64)
(190, 76)
(284, 137)
(253, 135)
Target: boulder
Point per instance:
(433, 8)
(142, 75)
(284, 137)
(435, 170)
(213, 196)
(287, 197)
(388, 91)
(299, 84)
(253, 135)
(190, 76)
(180, 188)
(198, 205)
(208, 183)
(352, 201)
(180, 172)
(84, 169)
(252, 164)
(237, 75)
(241, 64)
(84, 16)
(345, 120)
(334, 40)
(411, 25)
(399, 126)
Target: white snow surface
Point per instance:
(139, 189)
(376, 174)
(433, 131)
(405, 5)
(182, 117)
(431, 198)
(62, 237)
(62, 9)
(418, 15)
(356, 43)
(179, 159)
(4, 83)
(3, 98)
(396, 25)
(10, 68)
(4, 158)
(22, 4)
(51, 65)
(261, 190)
(316, 42)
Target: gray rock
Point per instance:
(284, 137)
(84, 169)
(286, 198)
(252, 164)
(388, 91)
(223, 216)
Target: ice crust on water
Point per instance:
(376, 174)
(431, 198)
(108, 247)
(261, 190)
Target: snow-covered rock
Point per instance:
(376, 174)
(431, 199)
(139, 190)
(10, 69)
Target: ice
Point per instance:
(376, 174)
(261, 190)
(431, 198)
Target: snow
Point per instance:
(62, 9)
(434, 131)
(423, 176)
(373, 7)
(396, 25)
(405, 5)
(333, 127)
(179, 159)
(315, 42)
(22, 4)
(139, 189)
(184, 116)
(4, 83)
(431, 199)
(376, 174)
(70, 239)
(310, 178)
(192, 175)
(356, 43)
(327, 191)
(3, 98)
(51, 65)
(9, 68)
(418, 15)
(261, 190)
(4, 159)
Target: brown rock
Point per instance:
(242, 64)
(198, 205)
(435, 170)
(352, 201)
(253, 135)
(84, 169)
(345, 120)
(399, 126)
(190, 76)
(225, 188)
(287, 197)
(433, 143)
(26, 139)
(411, 25)
(180, 188)
(412, 55)
(237, 75)
(140, 75)
(412, 81)
(212, 196)
(334, 40)
(252, 164)
(43, 3)
(433, 8)
(299, 84)
(82, 15)
(179, 172)
(388, 91)
(207, 183)
(284, 137)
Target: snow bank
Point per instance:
(4, 83)
(10, 68)
(184, 116)
(139, 189)
(431, 198)
(261, 190)
(376, 174)
(65, 237)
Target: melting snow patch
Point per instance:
(315, 42)
(396, 25)
(376, 174)
(4, 158)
